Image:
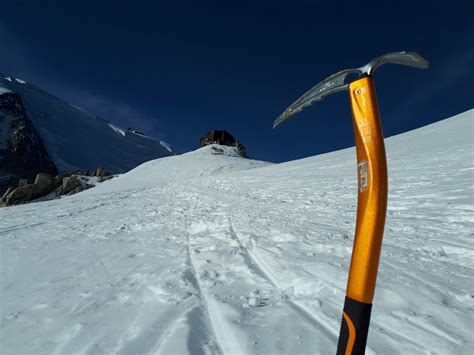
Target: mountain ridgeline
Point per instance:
(40, 133)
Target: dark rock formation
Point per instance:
(20, 195)
(218, 137)
(47, 187)
(222, 138)
(42, 186)
(100, 171)
(135, 131)
(22, 152)
(70, 183)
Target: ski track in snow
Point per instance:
(209, 270)
(210, 313)
(208, 257)
(262, 269)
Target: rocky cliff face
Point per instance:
(22, 152)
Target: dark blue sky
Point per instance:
(177, 69)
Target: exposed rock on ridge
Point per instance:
(22, 152)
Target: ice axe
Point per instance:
(372, 188)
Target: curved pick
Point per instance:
(336, 82)
(328, 86)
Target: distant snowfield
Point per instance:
(209, 253)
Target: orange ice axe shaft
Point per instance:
(372, 189)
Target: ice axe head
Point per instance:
(337, 82)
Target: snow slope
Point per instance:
(210, 254)
(76, 139)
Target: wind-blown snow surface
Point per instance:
(210, 254)
(76, 139)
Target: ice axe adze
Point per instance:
(372, 189)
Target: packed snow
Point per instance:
(78, 140)
(210, 253)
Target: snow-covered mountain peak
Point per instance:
(77, 139)
(10, 79)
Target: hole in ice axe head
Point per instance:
(337, 82)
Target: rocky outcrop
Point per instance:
(22, 152)
(74, 184)
(19, 195)
(26, 192)
(222, 138)
(47, 187)
(43, 184)
(100, 172)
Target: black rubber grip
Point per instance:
(354, 327)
